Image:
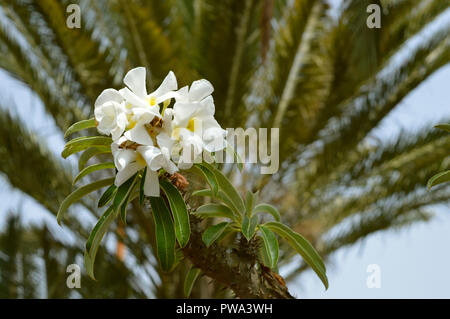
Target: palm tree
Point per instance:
(317, 73)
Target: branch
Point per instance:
(237, 269)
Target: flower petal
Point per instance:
(167, 121)
(115, 145)
(182, 112)
(123, 175)
(151, 156)
(165, 141)
(183, 94)
(139, 135)
(214, 139)
(207, 107)
(199, 90)
(116, 133)
(151, 184)
(167, 96)
(168, 165)
(145, 114)
(123, 157)
(135, 80)
(108, 95)
(133, 98)
(168, 84)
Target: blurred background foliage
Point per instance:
(320, 75)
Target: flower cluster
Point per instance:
(147, 132)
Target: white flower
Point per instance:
(130, 161)
(194, 126)
(143, 107)
(144, 138)
(110, 113)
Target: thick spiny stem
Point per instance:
(236, 268)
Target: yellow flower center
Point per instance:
(131, 123)
(140, 159)
(176, 133)
(152, 100)
(191, 124)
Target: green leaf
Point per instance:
(202, 192)
(208, 175)
(79, 193)
(249, 200)
(91, 152)
(222, 197)
(91, 169)
(445, 127)
(212, 233)
(99, 140)
(179, 212)
(439, 178)
(123, 191)
(269, 248)
(267, 208)
(190, 279)
(228, 230)
(123, 208)
(237, 159)
(165, 233)
(141, 187)
(215, 210)
(95, 239)
(303, 247)
(81, 125)
(249, 226)
(82, 143)
(107, 196)
(229, 190)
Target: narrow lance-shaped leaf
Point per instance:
(91, 152)
(95, 239)
(107, 196)
(202, 192)
(179, 212)
(237, 158)
(249, 201)
(79, 193)
(208, 175)
(269, 248)
(249, 226)
(91, 169)
(82, 143)
(215, 210)
(212, 233)
(222, 197)
(132, 194)
(439, 178)
(228, 230)
(267, 208)
(228, 189)
(165, 233)
(141, 187)
(123, 191)
(303, 247)
(190, 279)
(78, 126)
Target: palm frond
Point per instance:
(25, 162)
